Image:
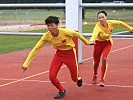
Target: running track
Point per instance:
(34, 84)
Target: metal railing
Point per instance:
(88, 5)
(124, 34)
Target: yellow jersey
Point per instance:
(63, 41)
(101, 33)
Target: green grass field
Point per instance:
(14, 43)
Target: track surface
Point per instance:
(34, 84)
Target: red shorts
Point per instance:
(101, 48)
(68, 57)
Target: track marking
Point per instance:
(112, 51)
(107, 85)
(39, 81)
(23, 79)
(122, 48)
(121, 65)
(48, 71)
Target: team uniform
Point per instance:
(103, 43)
(65, 53)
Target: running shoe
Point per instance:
(79, 82)
(101, 83)
(60, 95)
(94, 79)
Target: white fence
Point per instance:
(124, 34)
(89, 5)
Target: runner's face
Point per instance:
(52, 27)
(102, 18)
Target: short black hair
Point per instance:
(102, 11)
(52, 19)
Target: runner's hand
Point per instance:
(91, 42)
(24, 69)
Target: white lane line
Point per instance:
(39, 81)
(111, 51)
(112, 85)
(23, 78)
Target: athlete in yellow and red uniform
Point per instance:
(62, 41)
(101, 38)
